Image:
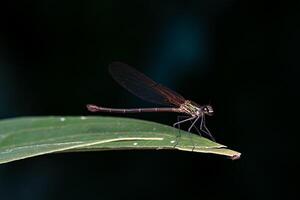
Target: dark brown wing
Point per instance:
(143, 87)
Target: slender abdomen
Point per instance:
(94, 108)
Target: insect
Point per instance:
(148, 90)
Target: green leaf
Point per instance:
(31, 136)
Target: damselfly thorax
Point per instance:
(193, 109)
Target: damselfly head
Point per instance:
(208, 110)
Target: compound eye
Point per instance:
(205, 109)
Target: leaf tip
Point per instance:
(235, 156)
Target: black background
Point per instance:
(240, 56)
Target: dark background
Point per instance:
(240, 56)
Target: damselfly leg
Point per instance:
(180, 122)
(204, 129)
(180, 119)
(189, 130)
(178, 126)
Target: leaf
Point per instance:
(31, 136)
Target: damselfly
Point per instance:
(148, 90)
